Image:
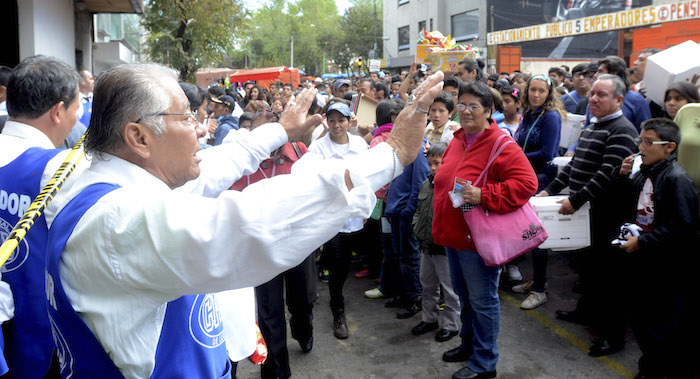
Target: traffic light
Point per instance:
(359, 63)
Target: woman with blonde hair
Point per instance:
(539, 136)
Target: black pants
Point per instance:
(540, 259)
(338, 252)
(601, 275)
(371, 241)
(300, 284)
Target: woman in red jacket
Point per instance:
(510, 183)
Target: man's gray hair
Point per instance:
(128, 93)
(619, 87)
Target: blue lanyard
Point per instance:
(527, 137)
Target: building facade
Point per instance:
(464, 20)
(59, 28)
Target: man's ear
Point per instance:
(139, 139)
(56, 112)
(671, 147)
(620, 100)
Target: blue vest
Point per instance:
(28, 345)
(3, 362)
(191, 343)
(87, 111)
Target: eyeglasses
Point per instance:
(648, 143)
(191, 116)
(471, 107)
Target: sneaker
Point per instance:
(410, 310)
(523, 287)
(374, 293)
(340, 326)
(362, 274)
(534, 300)
(514, 273)
(324, 275)
(394, 302)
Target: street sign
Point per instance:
(632, 18)
(374, 65)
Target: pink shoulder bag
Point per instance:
(501, 237)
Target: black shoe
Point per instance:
(395, 302)
(307, 345)
(457, 355)
(410, 310)
(467, 373)
(573, 316)
(424, 327)
(340, 325)
(445, 335)
(603, 347)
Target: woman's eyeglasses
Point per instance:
(471, 107)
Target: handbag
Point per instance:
(501, 237)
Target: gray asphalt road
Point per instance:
(531, 344)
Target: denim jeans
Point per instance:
(407, 249)
(477, 287)
(389, 276)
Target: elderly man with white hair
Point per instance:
(145, 236)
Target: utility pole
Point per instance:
(375, 27)
(291, 65)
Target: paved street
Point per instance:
(532, 344)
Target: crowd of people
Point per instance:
(198, 210)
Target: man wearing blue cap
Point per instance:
(223, 106)
(340, 86)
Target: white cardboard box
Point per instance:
(675, 64)
(561, 162)
(566, 232)
(571, 129)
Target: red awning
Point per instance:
(265, 76)
(268, 73)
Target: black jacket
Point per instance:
(671, 242)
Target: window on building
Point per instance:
(431, 25)
(421, 26)
(401, 2)
(404, 38)
(465, 25)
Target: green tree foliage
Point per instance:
(189, 34)
(318, 32)
(314, 23)
(358, 24)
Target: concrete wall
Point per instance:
(541, 66)
(83, 38)
(47, 27)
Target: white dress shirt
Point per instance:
(143, 245)
(327, 149)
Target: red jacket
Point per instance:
(510, 183)
(281, 165)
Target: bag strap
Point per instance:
(495, 152)
(296, 149)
